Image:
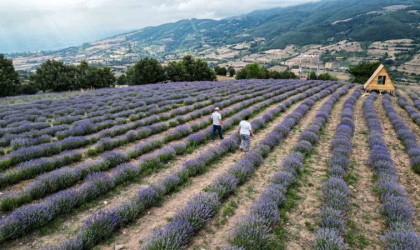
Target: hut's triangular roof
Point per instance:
(374, 75)
(380, 69)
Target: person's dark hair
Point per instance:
(246, 118)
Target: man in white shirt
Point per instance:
(217, 123)
(245, 131)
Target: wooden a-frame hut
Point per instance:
(380, 81)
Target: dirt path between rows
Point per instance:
(365, 210)
(68, 225)
(408, 179)
(157, 217)
(404, 115)
(405, 94)
(124, 148)
(304, 217)
(216, 234)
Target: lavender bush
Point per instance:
(404, 133)
(255, 231)
(396, 207)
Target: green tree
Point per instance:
(231, 71)
(221, 71)
(287, 74)
(362, 72)
(99, 77)
(82, 74)
(147, 70)
(176, 72)
(312, 76)
(198, 70)
(326, 77)
(122, 80)
(251, 71)
(9, 78)
(55, 76)
(28, 88)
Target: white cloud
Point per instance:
(49, 24)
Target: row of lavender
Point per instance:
(85, 106)
(416, 100)
(411, 111)
(396, 207)
(31, 168)
(94, 102)
(202, 208)
(65, 177)
(98, 184)
(17, 137)
(255, 231)
(336, 193)
(404, 133)
(243, 101)
(85, 126)
(101, 225)
(53, 148)
(131, 111)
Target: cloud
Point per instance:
(50, 24)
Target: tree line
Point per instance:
(255, 71)
(57, 76)
(53, 75)
(149, 70)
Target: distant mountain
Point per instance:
(324, 22)
(316, 23)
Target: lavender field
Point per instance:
(135, 168)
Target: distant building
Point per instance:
(329, 66)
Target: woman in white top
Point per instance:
(246, 133)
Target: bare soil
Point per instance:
(404, 115)
(408, 179)
(365, 211)
(304, 218)
(124, 148)
(69, 224)
(131, 145)
(156, 217)
(217, 235)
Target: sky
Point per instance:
(28, 25)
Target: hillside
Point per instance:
(322, 23)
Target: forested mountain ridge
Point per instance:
(324, 22)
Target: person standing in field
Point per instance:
(245, 130)
(217, 123)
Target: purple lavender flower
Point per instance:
(333, 219)
(396, 240)
(309, 136)
(170, 183)
(124, 172)
(179, 147)
(173, 236)
(253, 233)
(148, 197)
(98, 226)
(327, 238)
(196, 139)
(223, 185)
